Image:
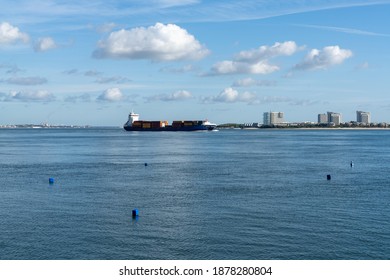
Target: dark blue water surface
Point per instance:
(233, 194)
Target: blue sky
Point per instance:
(91, 62)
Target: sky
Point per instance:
(92, 62)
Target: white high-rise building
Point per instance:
(322, 118)
(363, 117)
(271, 118)
(334, 118)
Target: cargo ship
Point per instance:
(134, 124)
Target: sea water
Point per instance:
(231, 194)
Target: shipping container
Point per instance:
(177, 123)
(137, 124)
(188, 123)
(155, 125)
(146, 125)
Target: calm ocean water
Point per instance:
(230, 194)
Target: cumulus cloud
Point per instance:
(180, 95)
(237, 67)
(265, 52)
(157, 43)
(248, 82)
(10, 34)
(230, 95)
(255, 61)
(111, 95)
(36, 96)
(323, 59)
(26, 81)
(44, 44)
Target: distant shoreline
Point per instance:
(34, 126)
(348, 125)
(306, 128)
(31, 126)
(345, 128)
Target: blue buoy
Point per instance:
(328, 177)
(51, 180)
(135, 213)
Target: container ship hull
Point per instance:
(171, 128)
(134, 124)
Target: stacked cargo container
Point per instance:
(177, 124)
(150, 124)
(186, 123)
(158, 124)
(137, 124)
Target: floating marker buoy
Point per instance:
(328, 177)
(135, 213)
(351, 163)
(146, 164)
(51, 180)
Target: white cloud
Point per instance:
(45, 44)
(111, 95)
(248, 82)
(323, 59)
(10, 34)
(176, 96)
(227, 95)
(265, 52)
(158, 43)
(180, 95)
(230, 95)
(236, 67)
(255, 61)
(36, 96)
